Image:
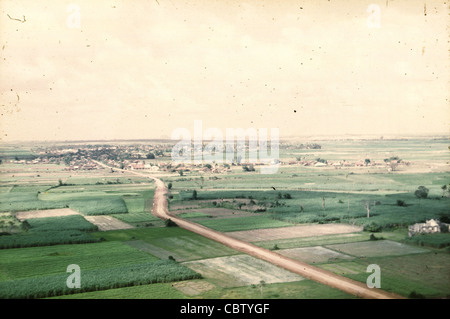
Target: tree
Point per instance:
(262, 283)
(202, 181)
(150, 156)
(169, 186)
(367, 206)
(248, 168)
(67, 160)
(393, 165)
(444, 189)
(194, 195)
(367, 161)
(421, 192)
(170, 223)
(401, 203)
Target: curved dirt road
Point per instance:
(160, 209)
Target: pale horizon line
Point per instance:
(305, 137)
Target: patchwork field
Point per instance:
(241, 270)
(314, 255)
(181, 244)
(45, 213)
(107, 223)
(51, 217)
(425, 274)
(242, 223)
(215, 213)
(293, 232)
(193, 287)
(377, 248)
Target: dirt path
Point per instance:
(319, 275)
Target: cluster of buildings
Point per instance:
(429, 227)
(340, 164)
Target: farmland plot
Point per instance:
(45, 213)
(241, 270)
(377, 248)
(107, 223)
(294, 232)
(183, 248)
(218, 212)
(193, 287)
(314, 255)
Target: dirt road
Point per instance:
(160, 209)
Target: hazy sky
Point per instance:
(140, 69)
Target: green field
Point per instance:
(100, 279)
(116, 264)
(169, 241)
(72, 222)
(242, 223)
(305, 289)
(425, 274)
(321, 207)
(152, 291)
(40, 261)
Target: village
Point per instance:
(157, 157)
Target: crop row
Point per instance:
(72, 229)
(71, 222)
(33, 239)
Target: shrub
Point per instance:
(170, 223)
(372, 227)
(421, 192)
(401, 203)
(415, 295)
(373, 237)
